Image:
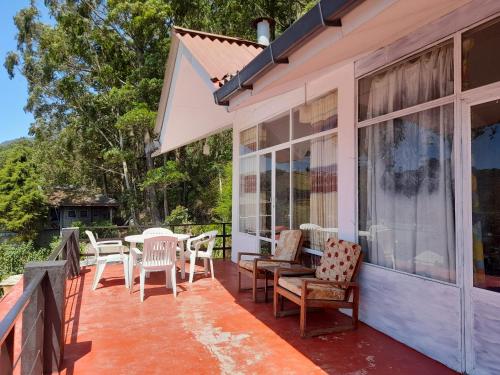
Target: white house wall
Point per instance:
(190, 114)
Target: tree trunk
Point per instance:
(165, 202)
(150, 190)
(127, 180)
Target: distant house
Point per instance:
(70, 205)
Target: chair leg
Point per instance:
(98, 273)
(168, 279)
(142, 281)
(173, 281)
(125, 272)
(212, 268)
(254, 287)
(355, 309)
(205, 264)
(303, 318)
(275, 302)
(239, 281)
(192, 264)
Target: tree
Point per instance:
(23, 206)
(94, 80)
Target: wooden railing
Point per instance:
(223, 243)
(42, 308)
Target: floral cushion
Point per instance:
(288, 245)
(314, 291)
(338, 261)
(248, 264)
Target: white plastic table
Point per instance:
(133, 240)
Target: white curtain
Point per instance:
(407, 166)
(248, 195)
(323, 198)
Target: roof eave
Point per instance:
(327, 13)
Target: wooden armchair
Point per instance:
(287, 252)
(333, 285)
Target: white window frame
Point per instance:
(273, 149)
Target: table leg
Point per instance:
(265, 286)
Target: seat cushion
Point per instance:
(288, 245)
(248, 264)
(314, 291)
(338, 260)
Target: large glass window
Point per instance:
(406, 181)
(314, 184)
(248, 195)
(297, 182)
(417, 80)
(481, 55)
(315, 117)
(485, 148)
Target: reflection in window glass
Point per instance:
(406, 196)
(314, 117)
(422, 78)
(481, 55)
(248, 195)
(265, 195)
(314, 184)
(282, 220)
(274, 132)
(485, 120)
(248, 141)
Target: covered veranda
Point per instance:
(210, 328)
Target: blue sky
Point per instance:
(14, 121)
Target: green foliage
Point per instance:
(94, 77)
(179, 215)
(13, 257)
(223, 209)
(22, 202)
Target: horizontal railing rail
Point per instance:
(42, 308)
(224, 229)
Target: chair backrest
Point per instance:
(159, 251)
(157, 232)
(340, 261)
(208, 239)
(93, 242)
(289, 243)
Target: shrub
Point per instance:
(13, 257)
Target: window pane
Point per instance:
(248, 195)
(422, 78)
(274, 132)
(248, 141)
(406, 195)
(314, 181)
(265, 195)
(282, 191)
(480, 55)
(316, 116)
(485, 120)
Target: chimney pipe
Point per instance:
(264, 26)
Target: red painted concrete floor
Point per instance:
(212, 329)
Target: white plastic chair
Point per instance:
(102, 260)
(157, 232)
(207, 239)
(159, 254)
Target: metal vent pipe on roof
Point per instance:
(263, 26)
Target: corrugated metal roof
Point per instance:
(221, 56)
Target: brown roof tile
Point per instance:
(221, 56)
